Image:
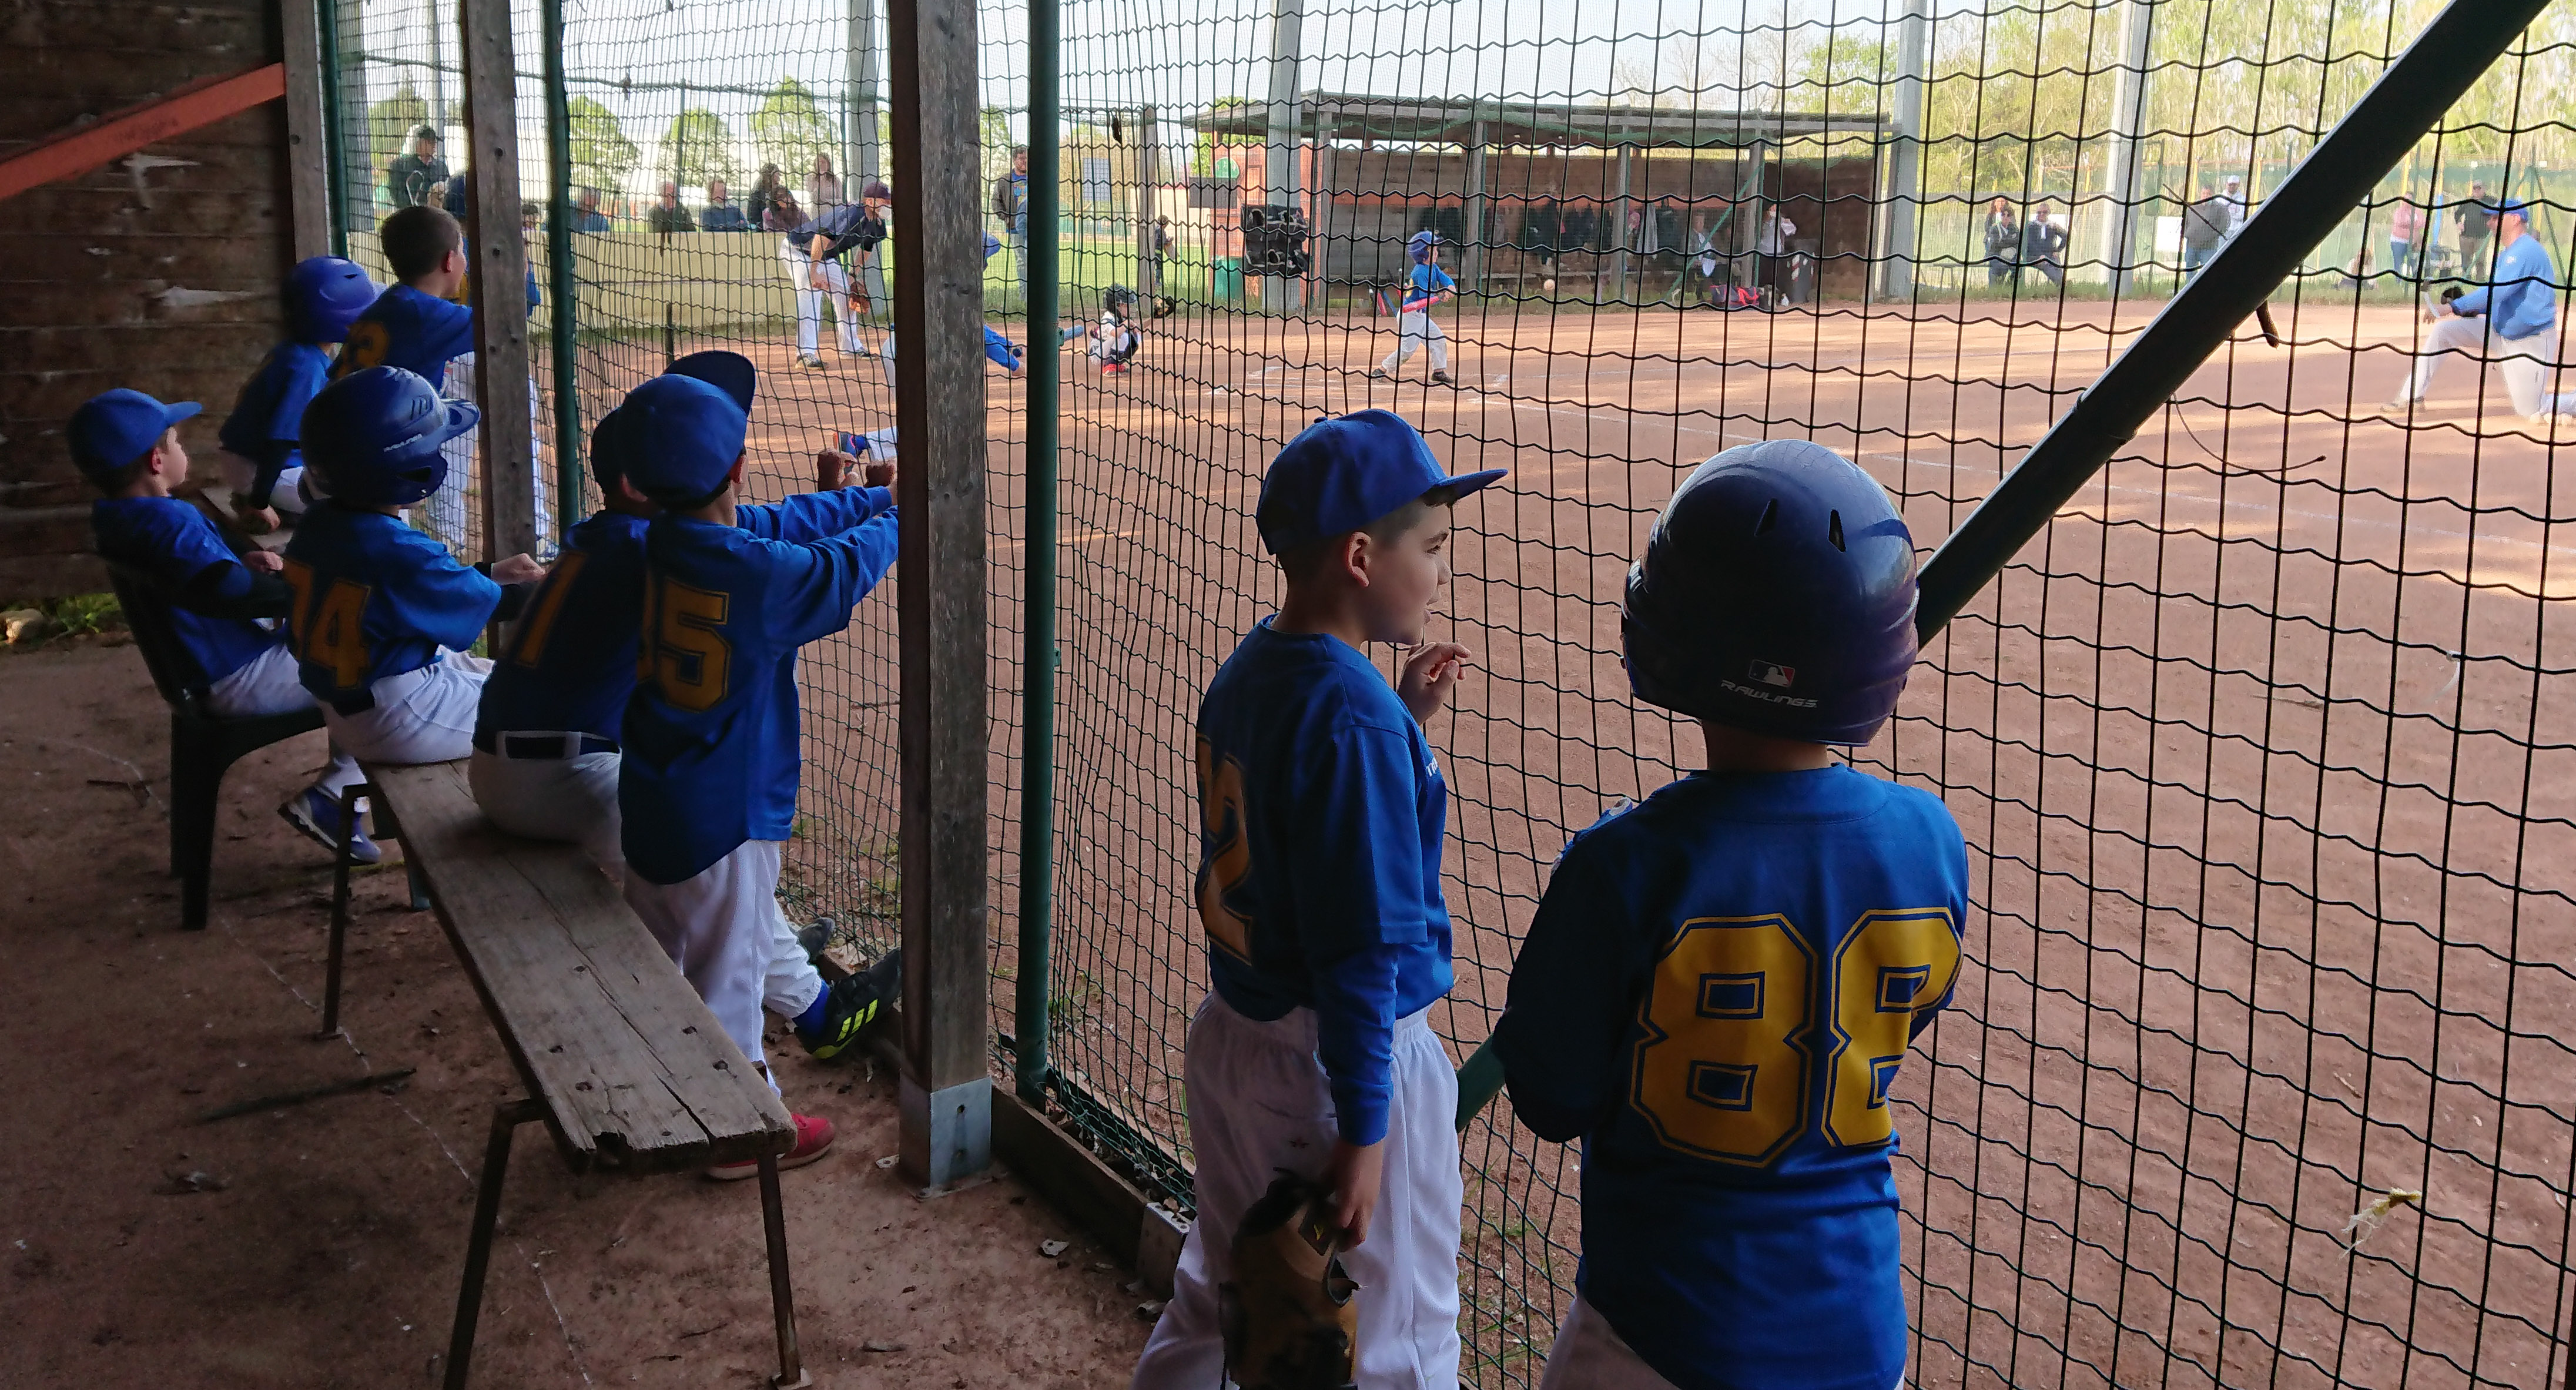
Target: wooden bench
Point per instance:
(620, 1057)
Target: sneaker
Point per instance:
(853, 1005)
(813, 1140)
(1441, 379)
(1377, 374)
(1113, 369)
(808, 359)
(317, 813)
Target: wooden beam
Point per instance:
(939, 327)
(308, 181)
(75, 152)
(498, 285)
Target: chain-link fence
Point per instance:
(2253, 745)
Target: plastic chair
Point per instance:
(202, 744)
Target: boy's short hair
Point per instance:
(1301, 562)
(128, 475)
(417, 239)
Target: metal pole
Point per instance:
(2453, 51)
(562, 286)
(861, 156)
(1037, 665)
(1145, 203)
(1472, 260)
(334, 122)
(1619, 223)
(1279, 159)
(2128, 118)
(1905, 162)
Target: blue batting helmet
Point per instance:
(1776, 594)
(375, 436)
(1422, 244)
(324, 295)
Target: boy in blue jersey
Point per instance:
(706, 788)
(262, 463)
(419, 326)
(1425, 285)
(383, 613)
(1322, 812)
(1722, 980)
(218, 602)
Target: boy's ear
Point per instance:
(733, 475)
(1352, 556)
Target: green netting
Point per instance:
(2253, 746)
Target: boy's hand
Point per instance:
(263, 561)
(878, 474)
(518, 569)
(1429, 674)
(1353, 1175)
(833, 469)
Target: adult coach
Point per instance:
(1011, 205)
(2512, 320)
(411, 175)
(812, 254)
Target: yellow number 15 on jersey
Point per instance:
(1722, 1070)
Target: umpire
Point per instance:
(812, 253)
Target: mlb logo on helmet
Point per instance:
(1772, 673)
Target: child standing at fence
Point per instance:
(1319, 888)
(707, 780)
(1424, 287)
(1722, 980)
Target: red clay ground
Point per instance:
(327, 1248)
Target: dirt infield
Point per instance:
(2254, 748)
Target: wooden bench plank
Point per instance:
(633, 1071)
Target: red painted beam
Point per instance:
(113, 137)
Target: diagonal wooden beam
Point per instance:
(113, 137)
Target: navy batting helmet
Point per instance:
(1777, 595)
(324, 295)
(374, 435)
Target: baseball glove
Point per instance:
(1288, 1315)
(1164, 307)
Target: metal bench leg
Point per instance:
(387, 828)
(478, 1247)
(339, 911)
(782, 1298)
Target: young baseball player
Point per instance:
(1112, 341)
(707, 783)
(1319, 888)
(382, 612)
(1722, 980)
(419, 326)
(260, 460)
(1424, 287)
(217, 601)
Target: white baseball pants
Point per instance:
(1258, 1102)
(725, 932)
(1412, 331)
(423, 716)
(809, 300)
(2522, 362)
(268, 686)
(573, 800)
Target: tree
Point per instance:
(602, 156)
(696, 148)
(789, 129)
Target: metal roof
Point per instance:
(1453, 120)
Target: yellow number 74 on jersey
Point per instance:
(1722, 1072)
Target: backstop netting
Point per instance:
(2255, 1074)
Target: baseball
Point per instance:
(1547, 286)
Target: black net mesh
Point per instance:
(2257, 1073)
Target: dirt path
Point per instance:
(325, 1246)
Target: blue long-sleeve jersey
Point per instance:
(173, 542)
(1321, 813)
(570, 667)
(375, 598)
(2522, 297)
(712, 737)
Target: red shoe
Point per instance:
(1113, 369)
(813, 1140)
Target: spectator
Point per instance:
(2234, 198)
(823, 189)
(2043, 243)
(2403, 219)
(1011, 205)
(720, 215)
(2204, 229)
(1771, 254)
(2003, 242)
(412, 175)
(667, 215)
(2472, 216)
(586, 216)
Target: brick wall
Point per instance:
(158, 272)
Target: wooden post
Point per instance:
(308, 153)
(499, 290)
(946, 1104)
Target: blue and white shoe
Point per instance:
(317, 813)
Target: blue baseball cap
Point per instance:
(683, 436)
(730, 372)
(1341, 474)
(114, 428)
(2520, 207)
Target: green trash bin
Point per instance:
(1228, 288)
